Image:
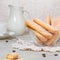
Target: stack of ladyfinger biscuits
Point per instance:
(44, 33)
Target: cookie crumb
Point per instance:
(42, 49)
(6, 41)
(55, 54)
(57, 51)
(13, 50)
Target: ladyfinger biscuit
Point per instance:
(39, 30)
(39, 41)
(12, 56)
(48, 20)
(46, 26)
(42, 38)
(51, 41)
(59, 32)
(9, 56)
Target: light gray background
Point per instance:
(36, 8)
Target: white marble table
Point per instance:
(5, 48)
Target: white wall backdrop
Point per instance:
(36, 8)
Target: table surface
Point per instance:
(5, 48)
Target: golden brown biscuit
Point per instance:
(40, 30)
(48, 20)
(45, 26)
(12, 56)
(51, 41)
(38, 40)
(42, 38)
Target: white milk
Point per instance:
(16, 20)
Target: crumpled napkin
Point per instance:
(32, 46)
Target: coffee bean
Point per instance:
(6, 41)
(44, 55)
(13, 50)
(55, 54)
